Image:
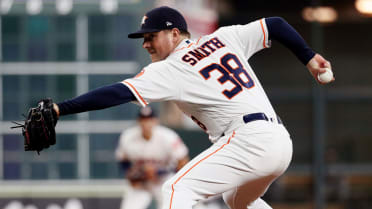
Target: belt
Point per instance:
(259, 116)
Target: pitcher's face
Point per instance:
(159, 44)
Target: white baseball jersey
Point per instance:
(209, 78)
(163, 149)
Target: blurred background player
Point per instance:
(149, 153)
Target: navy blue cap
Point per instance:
(161, 18)
(146, 112)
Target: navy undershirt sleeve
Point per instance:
(281, 31)
(97, 99)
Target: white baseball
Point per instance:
(326, 77)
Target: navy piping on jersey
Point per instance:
(281, 31)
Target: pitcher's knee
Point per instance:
(171, 187)
(174, 186)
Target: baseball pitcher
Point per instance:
(212, 82)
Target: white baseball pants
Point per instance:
(240, 166)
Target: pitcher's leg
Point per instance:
(233, 162)
(206, 174)
(216, 170)
(249, 194)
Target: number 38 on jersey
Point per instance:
(231, 70)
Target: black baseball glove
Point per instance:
(38, 129)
